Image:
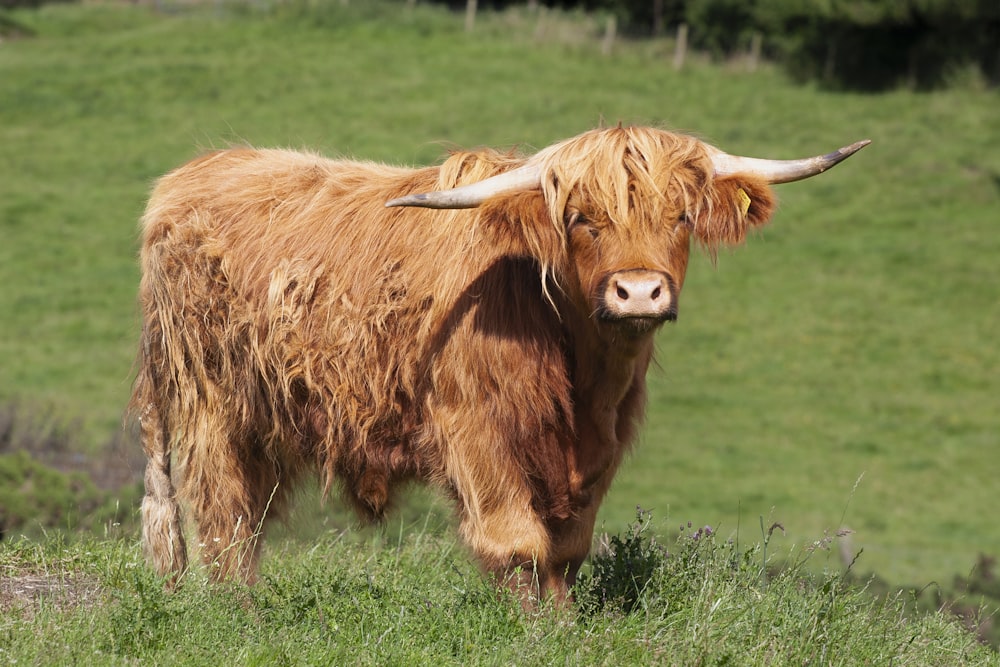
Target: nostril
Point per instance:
(622, 293)
(656, 293)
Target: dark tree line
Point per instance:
(861, 44)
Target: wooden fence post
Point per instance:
(755, 47)
(470, 15)
(610, 29)
(540, 24)
(680, 48)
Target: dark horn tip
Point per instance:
(854, 148)
(843, 153)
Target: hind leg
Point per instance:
(232, 493)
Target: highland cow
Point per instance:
(484, 326)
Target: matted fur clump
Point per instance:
(292, 323)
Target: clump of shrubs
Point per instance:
(621, 569)
(630, 571)
(33, 493)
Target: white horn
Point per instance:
(526, 177)
(781, 171)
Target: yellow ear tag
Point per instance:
(744, 201)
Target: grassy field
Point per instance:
(412, 599)
(854, 339)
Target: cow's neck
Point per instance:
(609, 396)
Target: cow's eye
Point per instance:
(683, 219)
(577, 220)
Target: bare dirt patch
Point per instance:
(27, 593)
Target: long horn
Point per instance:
(782, 171)
(526, 177)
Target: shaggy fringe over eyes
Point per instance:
(629, 172)
(638, 172)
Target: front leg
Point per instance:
(507, 536)
(571, 541)
(537, 561)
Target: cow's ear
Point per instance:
(734, 205)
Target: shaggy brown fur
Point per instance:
(292, 323)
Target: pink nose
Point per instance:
(638, 293)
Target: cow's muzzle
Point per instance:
(641, 298)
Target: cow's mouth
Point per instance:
(636, 325)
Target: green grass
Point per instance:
(414, 600)
(854, 337)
